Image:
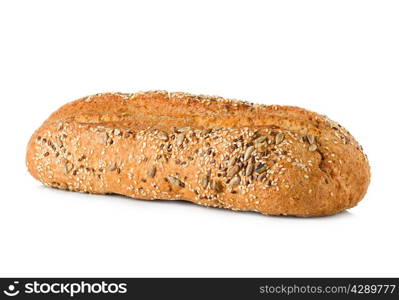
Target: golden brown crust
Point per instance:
(207, 150)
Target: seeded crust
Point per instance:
(276, 160)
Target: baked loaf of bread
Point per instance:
(276, 160)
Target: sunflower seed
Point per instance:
(234, 181)
(248, 152)
(233, 171)
(180, 139)
(184, 129)
(151, 172)
(68, 167)
(206, 132)
(279, 138)
(162, 135)
(175, 181)
(232, 161)
(312, 147)
(260, 168)
(204, 180)
(113, 167)
(310, 139)
(260, 140)
(249, 169)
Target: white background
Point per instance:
(339, 58)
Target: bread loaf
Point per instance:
(276, 160)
